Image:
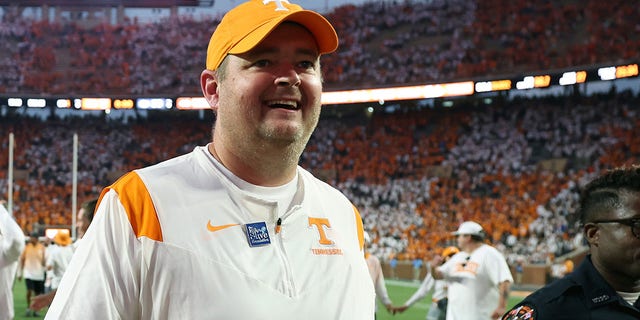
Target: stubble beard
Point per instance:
(291, 144)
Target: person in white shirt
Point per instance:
(439, 301)
(478, 276)
(59, 258)
(12, 242)
(235, 229)
(375, 270)
(49, 248)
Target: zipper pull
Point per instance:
(278, 225)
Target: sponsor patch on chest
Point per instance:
(257, 234)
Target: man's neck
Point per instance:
(472, 246)
(260, 170)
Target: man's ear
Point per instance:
(592, 234)
(209, 85)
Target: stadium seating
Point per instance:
(414, 173)
(382, 44)
(516, 167)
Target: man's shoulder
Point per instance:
(189, 168)
(561, 297)
(177, 161)
(311, 181)
(487, 249)
(561, 287)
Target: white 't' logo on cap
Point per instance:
(279, 6)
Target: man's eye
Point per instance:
(307, 65)
(261, 63)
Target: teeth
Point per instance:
(283, 103)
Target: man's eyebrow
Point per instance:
(309, 52)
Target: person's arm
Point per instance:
(12, 243)
(504, 288)
(433, 269)
(381, 289)
(425, 287)
(50, 262)
(500, 276)
(43, 300)
(43, 259)
(21, 265)
(105, 267)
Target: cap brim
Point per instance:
(456, 233)
(323, 32)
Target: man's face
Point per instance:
(614, 248)
(463, 240)
(82, 223)
(271, 94)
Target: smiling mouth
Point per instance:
(284, 104)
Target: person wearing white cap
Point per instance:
(478, 276)
(235, 229)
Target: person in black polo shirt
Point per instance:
(606, 285)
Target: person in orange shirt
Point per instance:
(32, 269)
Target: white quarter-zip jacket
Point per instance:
(179, 240)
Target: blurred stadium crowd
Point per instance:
(414, 173)
(382, 43)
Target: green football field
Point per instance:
(20, 301)
(399, 292)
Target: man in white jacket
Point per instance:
(235, 229)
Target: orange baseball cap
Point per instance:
(62, 239)
(449, 251)
(244, 26)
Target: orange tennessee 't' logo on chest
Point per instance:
(321, 225)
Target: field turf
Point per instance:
(399, 292)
